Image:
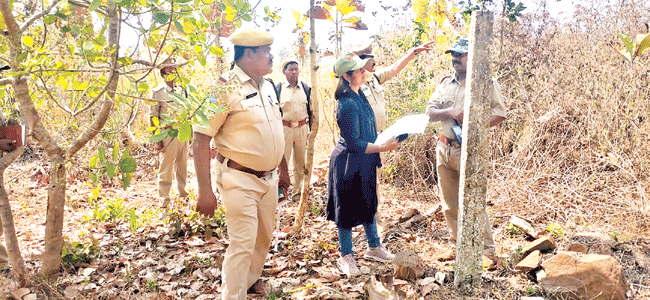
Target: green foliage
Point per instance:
(152, 285)
(194, 109)
(616, 236)
(117, 165)
(511, 9)
(112, 211)
(316, 210)
(633, 48)
(75, 253)
(187, 223)
(555, 230)
(531, 290)
(513, 230)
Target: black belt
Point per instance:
(234, 165)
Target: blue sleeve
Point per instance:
(348, 119)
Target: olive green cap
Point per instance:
(348, 62)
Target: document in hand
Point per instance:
(13, 132)
(406, 124)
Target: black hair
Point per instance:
(343, 87)
(287, 65)
(239, 52)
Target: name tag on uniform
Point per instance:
(251, 95)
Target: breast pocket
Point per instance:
(253, 110)
(447, 101)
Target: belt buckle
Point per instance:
(295, 124)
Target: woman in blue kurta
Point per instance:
(354, 161)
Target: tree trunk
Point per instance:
(13, 249)
(474, 154)
(309, 158)
(51, 259)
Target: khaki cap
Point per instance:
(251, 37)
(365, 49)
(286, 62)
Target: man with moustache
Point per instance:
(249, 141)
(296, 117)
(446, 106)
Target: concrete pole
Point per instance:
(474, 154)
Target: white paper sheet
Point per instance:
(406, 124)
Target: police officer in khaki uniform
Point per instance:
(249, 139)
(446, 106)
(296, 118)
(173, 153)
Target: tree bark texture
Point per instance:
(311, 140)
(474, 154)
(11, 241)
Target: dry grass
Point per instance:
(574, 148)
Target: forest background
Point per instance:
(572, 156)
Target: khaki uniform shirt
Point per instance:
(166, 105)
(375, 94)
(450, 93)
(294, 102)
(249, 131)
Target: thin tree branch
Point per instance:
(47, 91)
(37, 16)
(86, 5)
(7, 81)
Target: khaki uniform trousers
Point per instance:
(295, 139)
(448, 166)
(250, 204)
(173, 160)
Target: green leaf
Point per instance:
(88, 45)
(93, 178)
(627, 42)
(22, 56)
(216, 51)
(49, 19)
(126, 180)
(179, 27)
(110, 170)
(644, 43)
(116, 150)
(126, 152)
(159, 137)
(133, 223)
(128, 165)
(94, 5)
(102, 155)
(93, 161)
(143, 87)
(185, 132)
(160, 17)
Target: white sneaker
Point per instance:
(379, 254)
(348, 265)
